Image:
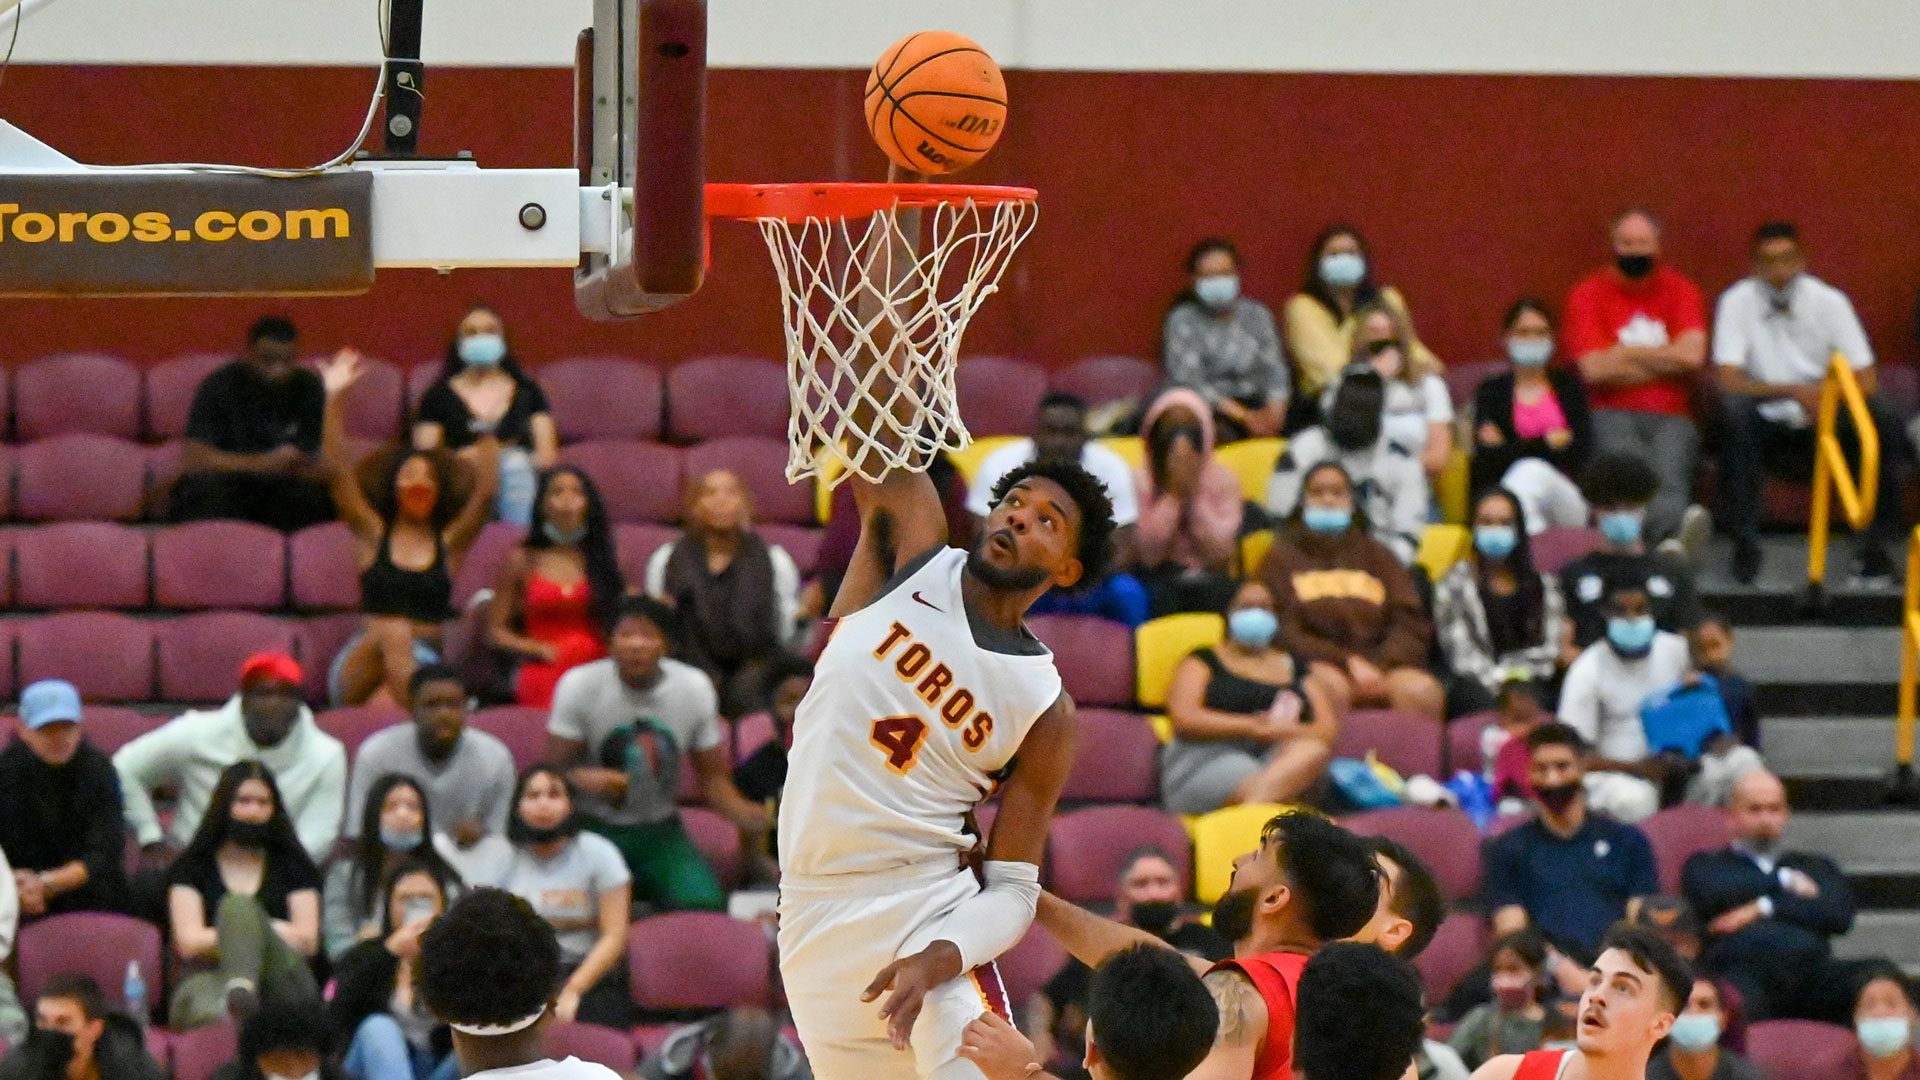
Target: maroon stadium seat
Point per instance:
(319, 639)
(718, 841)
(1087, 849)
(94, 943)
(7, 684)
(1032, 963)
(352, 726)
(80, 564)
(1457, 948)
(1094, 655)
(1679, 832)
(1443, 837)
(713, 397)
(323, 564)
(200, 654)
(999, 396)
(220, 564)
(750, 733)
(79, 477)
(698, 960)
(6, 477)
(171, 385)
(761, 464)
(638, 481)
(481, 568)
(523, 729)
(110, 727)
(1408, 742)
(591, 1042)
(107, 656)
(79, 392)
(800, 541)
(164, 462)
(376, 404)
(1118, 760)
(420, 379)
(603, 397)
(6, 404)
(1463, 741)
(1463, 379)
(1556, 548)
(1802, 1049)
(1100, 379)
(635, 544)
(199, 1053)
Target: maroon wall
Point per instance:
(1472, 189)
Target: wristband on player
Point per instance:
(994, 919)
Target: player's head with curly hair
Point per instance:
(489, 961)
(1051, 523)
(1358, 1015)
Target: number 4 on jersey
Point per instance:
(900, 737)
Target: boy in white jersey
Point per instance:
(929, 687)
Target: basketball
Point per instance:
(936, 102)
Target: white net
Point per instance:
(874, 309)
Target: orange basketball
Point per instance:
(936, 102)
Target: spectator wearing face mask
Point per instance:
(288, 1039)
(1618, 487)
(559, 590)
(60, 812)
(1694, 1046)
(1389, 487)
(1321, 319)
(1534, 430)
(1884, 1019)
(482, 392)
(1638, 332)
(395, 827)
(1190, 509)
(1224, 346)
(1514, 1022)
(1496, 616)
(1418, 413)
(1602, 698)
(78, 1036)
(1252, 723)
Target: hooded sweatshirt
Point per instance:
(309, 767)
(1200, 532)
(119, 1054)
(1344, 595)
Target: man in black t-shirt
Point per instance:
(252, 438)
(1618, 488)
(60, 812)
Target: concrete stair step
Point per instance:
(1774, 597)
(1867, 843)
(1892, 934)
(1828, 747)
(1799, 656)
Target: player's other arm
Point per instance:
(1242, 1031)
(900, 518)
(1501, 1068)
(1091, 938)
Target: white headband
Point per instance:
(484, 1030)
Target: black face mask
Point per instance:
(247, 834)
(1155, 916)
(1233, 913)
(1557, 797)
(1634, 266)
(542, 836)
(55, 1046)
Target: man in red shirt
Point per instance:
(1638, 331)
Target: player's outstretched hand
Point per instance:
(998, 1048)
(910, 978)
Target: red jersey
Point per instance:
(1606, 309)
(1541, 1065)
(1277, 976)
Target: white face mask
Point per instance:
(1217, 291)
(314, 1075)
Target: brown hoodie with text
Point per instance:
(1342, 595)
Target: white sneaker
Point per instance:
(1696, 529)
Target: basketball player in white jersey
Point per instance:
(930, 693)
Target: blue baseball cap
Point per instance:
(49, 701)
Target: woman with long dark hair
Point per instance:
(482, 391)
(559, 592)
(244, 902)
(393, 1035)
(1320, 319)
(1224, 345)
(396, 825)
(1496, 615)
(414, 515)
(1534, 432)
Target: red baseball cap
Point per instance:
(261, 667)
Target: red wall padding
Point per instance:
(1473, 189)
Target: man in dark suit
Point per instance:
(1770, 913)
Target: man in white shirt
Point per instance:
(1602, 696)
(1060, 434)
(1775, 333)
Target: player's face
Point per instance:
(1257, 886)
(1386, 929)
(1623, 1008)
(1030, 539)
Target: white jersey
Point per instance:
(908, 720)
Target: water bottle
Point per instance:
(135, 992)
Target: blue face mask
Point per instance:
(1631, 636)
(1217, 290)
(1620, 527)
(1495, 541)
(1342, 269)
(1530, 352)
(483, 350)
(1327, 519)
(1884, 1036)
(1252, 627)
(1695, 1031)
(400, 839)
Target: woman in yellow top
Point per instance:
(1320, 317)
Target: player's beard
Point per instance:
(1233, 913)
(1014, 579)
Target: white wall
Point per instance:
(1847, 38)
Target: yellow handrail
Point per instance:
(1830, 471)
(1909, 658)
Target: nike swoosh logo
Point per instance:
(918, 599)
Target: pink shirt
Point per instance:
(1535, 420)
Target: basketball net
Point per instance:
(873, 329)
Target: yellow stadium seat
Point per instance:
(1129, 447)
(1252, 460)
(1450, 489)
(1221, 837)
(1162, 728)
(1441, 546)
(968, 460)
(1159, 645)
(1253, 549)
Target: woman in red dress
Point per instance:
(557, 592)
